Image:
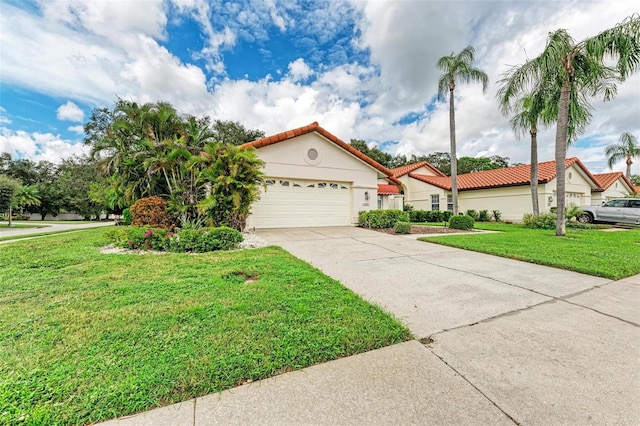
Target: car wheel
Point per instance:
(585, 218)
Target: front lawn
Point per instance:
(86, 336)
(613, 255)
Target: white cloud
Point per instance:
(299, 70)
(38, 146)
(77, 129)
(70, 112)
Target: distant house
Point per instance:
(507, 190)
(613, 185)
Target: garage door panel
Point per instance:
(301, 203)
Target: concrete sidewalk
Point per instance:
(51, 228)
(501, 342)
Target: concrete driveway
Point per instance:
(545, 346)
(500, 342)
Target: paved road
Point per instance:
(500, 342)
(51, 228)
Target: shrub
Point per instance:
(402, 227)
(381, 218)
(497, 215)
(127, 217)
(446, 215)
(435, 216)
(472, 213)
(461, 222)
(151, 211)
(483, 216)
(185, 240)
(407, 207)
(418, 216)
(544, 221)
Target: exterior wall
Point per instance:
(418, 193)
(424, 171)
(618, 189)
(288, 159)
(513, 201)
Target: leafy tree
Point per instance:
(234, 133)
(480, 164)
(635, 179)
(570, 72)
(627, 149)
(9, 188)
(375, 153)
(27, 196)
(75, 176)
(439, 160)
(457, 67)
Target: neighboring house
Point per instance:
(637, 189)
(315, 179)
(507, 190)
(614, 185)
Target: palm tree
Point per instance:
(527, 114)
(628, 149)
(457, 67)
(575, 71)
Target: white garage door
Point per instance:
(289, 203)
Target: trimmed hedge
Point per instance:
(184, 240)
(461, 222)
(381, 218)
(429, 216)
(402, 228)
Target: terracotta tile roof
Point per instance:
(403, 170)
(509, 176)
(387, 189)
(315, 127)
(605, 180)
(637, 189)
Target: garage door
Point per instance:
(291, 203)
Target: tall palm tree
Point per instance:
(576, 71)
(528, 111)
(628, 149)
(457, 67)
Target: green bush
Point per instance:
(184, 240)
(402, 228)
(418, 216)
(483, 216)
(497, 215)
(381, 218)
(407, 207)
(435, 216)
(127, 217)
(543, 221)
(446, 216)
(461, 222)
(151, 211)
(472, 213)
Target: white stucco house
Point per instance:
(315, 179)
(613, 185)
(507, 190)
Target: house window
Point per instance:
(379, 202)
(435, 202)
(450, 202)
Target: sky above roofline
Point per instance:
(363, 70)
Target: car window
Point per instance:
(616, 203)
(634, 203)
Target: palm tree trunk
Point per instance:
(629, 163)
(534, 172)
(454, 158)
(562, 130)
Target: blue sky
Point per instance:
(361, 69)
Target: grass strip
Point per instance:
(86, 336)
(613, 255)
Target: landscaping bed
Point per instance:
(421, 229)
(86, 336)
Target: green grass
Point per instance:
(611, 255)
(86, 336)
(62, 222)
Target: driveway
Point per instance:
(498, 342)
(546, 346)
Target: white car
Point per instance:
(620, 210)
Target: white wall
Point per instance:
(618, 189)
